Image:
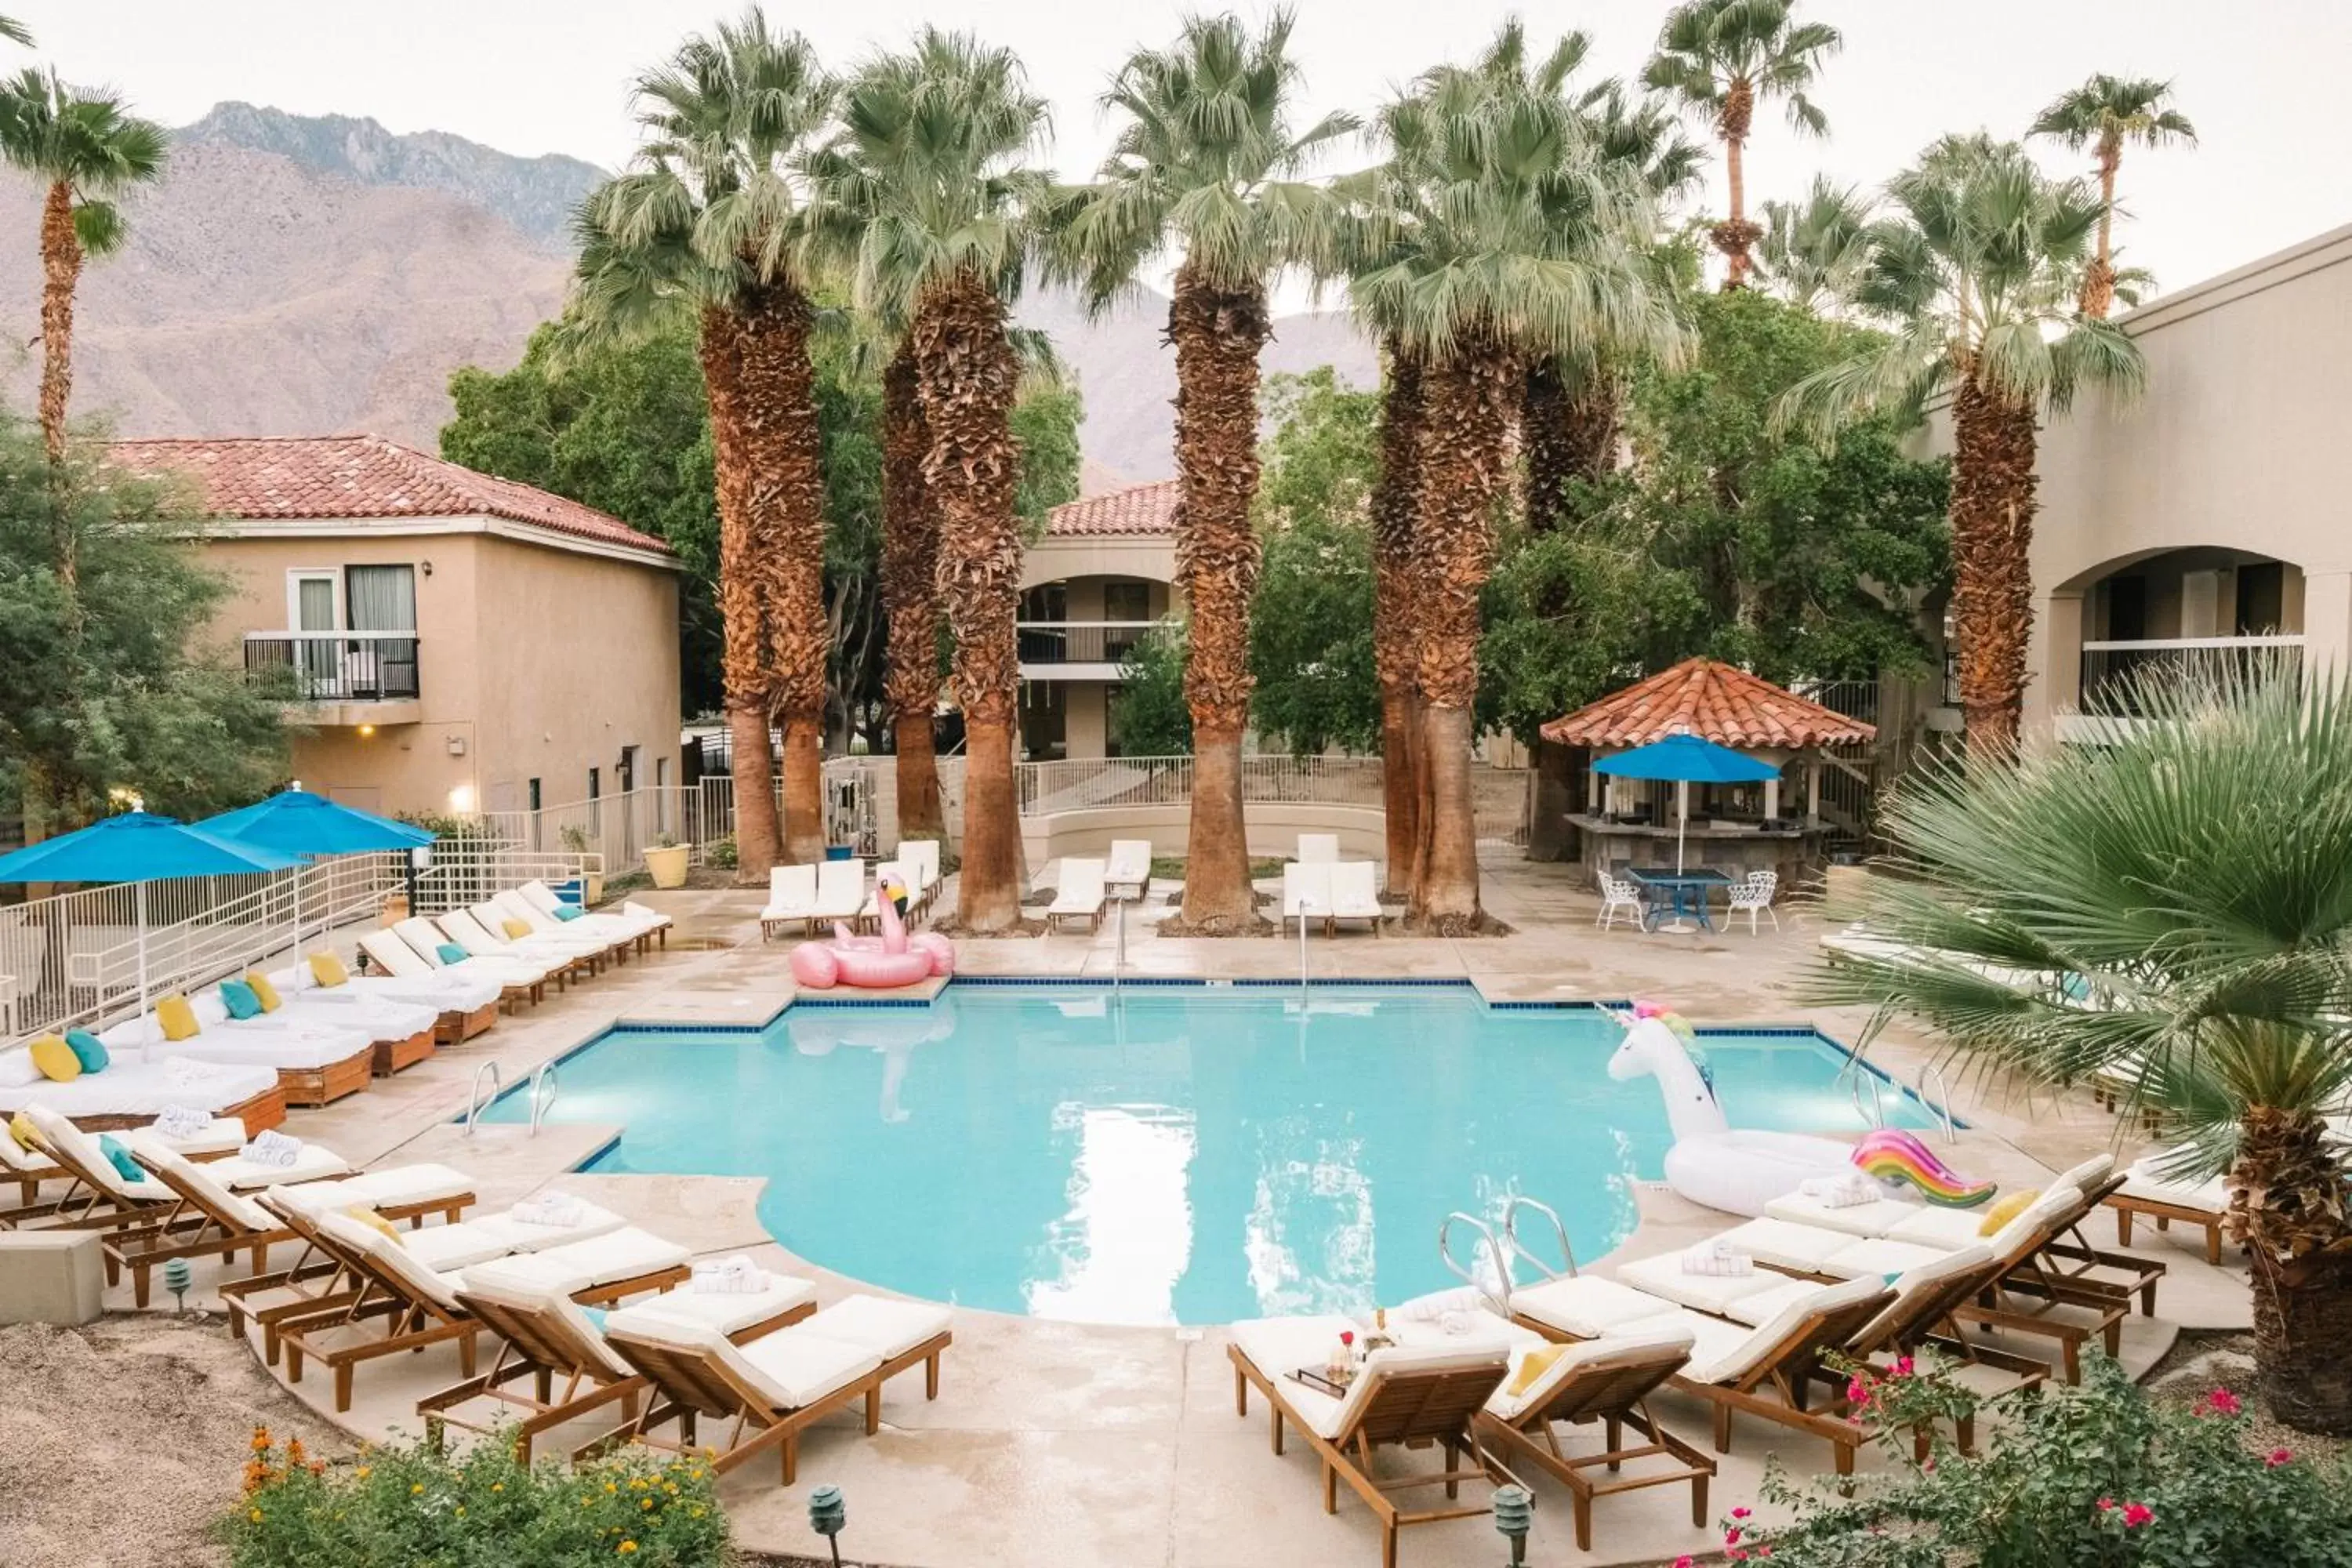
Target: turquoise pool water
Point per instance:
(1181, 1156)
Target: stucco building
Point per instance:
(1096, 581)
(456, 643)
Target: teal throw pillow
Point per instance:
(450, 952)
(595, 1316)
(239, 999)
(567, 911)
(87, 1049)
(119, 1158)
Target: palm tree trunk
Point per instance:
(2098, 296)
(1394, 501)
(910, 547)
(784, 445)
(60, 271)
(969, 376)
(1217, 333)
(1471, 416)
(1992, 508)
(1735, 235)
(2288, 1205)
(741, 612)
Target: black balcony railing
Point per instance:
(337, 667)
(2116, 674)
(1081, 642)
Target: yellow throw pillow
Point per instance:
(2004, 1210)
(178, 1018)
(373, 1221)
(21, 1128)
(516, 930)
(263, 992)
(1531, 1371)
(328, 969)
(56, 1059)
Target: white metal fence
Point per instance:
(1080, 783)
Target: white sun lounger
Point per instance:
(1306, 892)
(870, 911)
(635, 919)
(463, 1005)
(135, 1088)
(494, 918)
(920, 857)
(792, 897)
(425, 942)
(461, 927)
(1128, 873)
(1080, 895)
(840, 890)
(1318, 849)
(316, 1064)
(599, 939)
(1355, 894)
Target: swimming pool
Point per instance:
(1175, 1154)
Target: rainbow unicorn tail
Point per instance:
(1893, 1156)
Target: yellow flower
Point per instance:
(646, 1504)
(461, 1510)
(414, 1490)
(261, 1440)
(627, 1547)
(256, 1516)
(498, 1486)
(362, 1472)
(611, 1487)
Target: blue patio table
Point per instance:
(1686, 891)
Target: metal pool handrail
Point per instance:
(474, 1101)
(1559, 1233)
(542, 1077)
(1494, 1248)
(1303, 907)
(1935, 1075)
(1876, 1114)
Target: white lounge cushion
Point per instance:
(1280, 1346)
(793, 1368)
(1786, 1244)
(1724, 1352)
(577, 1266)
(1766, 1304)
(2211, 1196)
(2087, 1174)
(1665, 1279)
(1878, 1256)
(559, 1318)
(312, 1161)
(1508, 1406)
(391, 1258)
(888, 1327)
(528, 1236)
(417, 1183)
(1932, 1226)
(1915, 1283)
(17, 1071)
(1586, 1306)
(2012, 1238)
(446, 1249)
(145, 1087)
(176, 1169)
(729, 1312)
(71, 1144)
(1876, 1218)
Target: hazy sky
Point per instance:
(2260, 77)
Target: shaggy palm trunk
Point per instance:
(2098, 295)
(1569, 436)
(743, 666)
(1470, 418)
(968, 376)
(1992, 580)
(1735, 235)
(1395, 496)
(910, 547)
(2289, 1206)
(60, 271)
(1217, 333)
(777, 415)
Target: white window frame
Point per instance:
(298, 575)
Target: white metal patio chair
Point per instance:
(1620, 894)
(1755, 896)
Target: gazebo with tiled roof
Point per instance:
(1727, 705)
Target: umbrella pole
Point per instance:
(1681, 820)
(146, 1028)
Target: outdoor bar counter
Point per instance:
(1733, 848)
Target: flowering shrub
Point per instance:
(401, 1506)
(2094, 1477)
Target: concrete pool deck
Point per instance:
(1074, 1443)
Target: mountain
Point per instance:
(535, 195)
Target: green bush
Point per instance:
(405, 1506)
(2098, 1475)
(720, 853)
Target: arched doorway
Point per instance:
(2202, 611)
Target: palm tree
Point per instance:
(87, 149)
(2103, 113)
(1814, 251)
(911, 549)
(15, 32)
(1722, 57)
(1207, 161)
(1510, 240)
(930, 195)
(2173, 903)
(1394, 505)
(1976, 274)
(713, 220)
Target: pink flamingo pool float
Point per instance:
(874, 963)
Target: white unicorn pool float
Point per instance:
(1712, 1163)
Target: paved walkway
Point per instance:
(1070, 1444)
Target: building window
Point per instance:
(625, 775)
(596, 793)
(661, 794)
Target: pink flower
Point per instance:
(1685, 1562)
(2221, 1402)
(2137, 1514)
(1731, 1536)
(2278, 1456)
(1739, 1513)
(1903, 1366)
(1347, 1336)
(2106, 1505)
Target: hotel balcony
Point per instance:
(2115, 674)
(1078, 650)
(342, 678)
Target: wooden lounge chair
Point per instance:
(320, 1277)
(618, 939)
(631, 928)
(98, 1195)
(546, 1336)
(418, 1306)
(34, 1167)
(395, 953)
(2143, 1194)
(1412, 1397)
(426, 939)
(792, 898)
(1080, 894)
(773, 1388)
(480, 930)
(1610, 1381)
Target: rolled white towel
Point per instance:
(1848, 1189)
(550, 1208)
(736, 1276)
(182, 1120)
(274, 1148)
(1717, 1256)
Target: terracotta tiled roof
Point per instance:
(360, 477)
(1138, 511)
(1715, 701)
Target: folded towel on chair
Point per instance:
(735, 1276)
(1717, 1256)
(1849, 1189)
(275, 1149)
(550, 1208)
(182, 1120)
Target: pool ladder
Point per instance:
(1875, 1112)
(1504, 1248)
(543, 1090)
(474, 1097)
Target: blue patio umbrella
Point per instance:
(1687, 760)
(138, 848)
(296, 822)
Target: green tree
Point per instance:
(2174, 906)
(1976, 274)
(1148, 715)
(1814, 251)
(110, 686)
(1721, 58)
(2103, 114)
(1045, 419)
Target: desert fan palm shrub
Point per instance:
(2178, 902)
